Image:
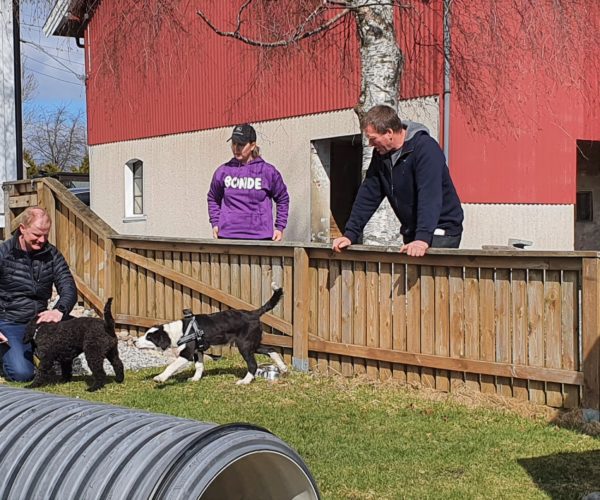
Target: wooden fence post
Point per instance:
(9, 190)
(46, 200)
(301, 310)
(110, 273)
(590, 335)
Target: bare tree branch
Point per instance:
(298, 35)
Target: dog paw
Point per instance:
(193, 379)
(158, 379)
(246, 380)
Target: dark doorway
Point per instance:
(587, 207)
(345, 179)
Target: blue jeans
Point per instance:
(17, 358)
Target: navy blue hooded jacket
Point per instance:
(418, 187)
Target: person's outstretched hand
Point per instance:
(277, 235)
(52, 316)
(340, 243)
(415, 248)
(215, 232)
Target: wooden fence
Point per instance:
(517, 323)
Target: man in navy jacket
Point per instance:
(409, 169)
(29, 266)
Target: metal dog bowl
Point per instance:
(270, 372)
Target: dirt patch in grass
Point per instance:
(463, 396)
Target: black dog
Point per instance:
(233, 326)
(66, 340)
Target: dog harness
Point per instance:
(192, 332)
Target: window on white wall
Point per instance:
(134, 189)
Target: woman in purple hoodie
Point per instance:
(242, 192)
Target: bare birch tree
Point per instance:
(56, 138)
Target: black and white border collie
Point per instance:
(241, 328)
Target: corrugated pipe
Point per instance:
(53, 447)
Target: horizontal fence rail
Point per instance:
(520, 323)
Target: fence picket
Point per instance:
(399, 318)
(535, 308)
(457, 323)
(519, 317)
(503, 333)
(442, 324)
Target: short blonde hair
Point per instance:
(32, 213)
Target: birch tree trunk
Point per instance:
(381, 68)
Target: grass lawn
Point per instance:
(366, 440)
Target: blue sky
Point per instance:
(55, 62)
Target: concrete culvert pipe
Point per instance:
(53, 447)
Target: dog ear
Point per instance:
(164, 342)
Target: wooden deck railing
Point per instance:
(522, 323)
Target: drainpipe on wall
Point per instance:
(447, 5)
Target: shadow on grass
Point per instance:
(184, 375)
(565, 475)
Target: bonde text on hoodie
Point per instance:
(242, 182)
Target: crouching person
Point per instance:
(29, 266)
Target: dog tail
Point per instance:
(109, 321)
(273, 301)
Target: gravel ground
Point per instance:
(132, 357)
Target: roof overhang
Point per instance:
(68, 18)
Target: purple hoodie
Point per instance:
(239, 200)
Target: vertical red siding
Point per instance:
(513, 138)
(207, 82)
(420, 34)
(198, 80)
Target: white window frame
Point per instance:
(129, 195)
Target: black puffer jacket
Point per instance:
(26, 281)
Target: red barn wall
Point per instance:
(199, 80)
(514, 142)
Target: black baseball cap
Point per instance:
(243, 134)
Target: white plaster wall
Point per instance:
(550, 227)
(178, 170)
(8, 138)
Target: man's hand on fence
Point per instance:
(340, 243)
(415, 248)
